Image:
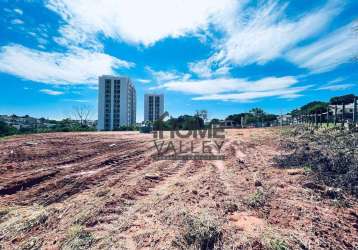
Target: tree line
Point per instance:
(255, 117)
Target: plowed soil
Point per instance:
(105, 191)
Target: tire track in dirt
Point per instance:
(71, 178)
(137, 214)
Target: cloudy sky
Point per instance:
(225, 56)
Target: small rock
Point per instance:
(152, 176)
(195, 192)
(112, 145)
(31, 143)
(258, 183)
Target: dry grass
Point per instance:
(78, 238)
(328, 155)
(200, 232)
(18, 220)
(32, 244)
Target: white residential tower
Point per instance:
(116, 102)
(153, 106)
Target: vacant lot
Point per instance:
(104, 191)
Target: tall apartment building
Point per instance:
(153, 106)
(116, 102)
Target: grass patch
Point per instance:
(330, 155)
(278, 244)
(308, 169)
(83, 217)
(200, 232)
(20, 219)
(78, 239)
(257, 199)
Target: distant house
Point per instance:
(284, 119)
(228, 124)
(348, 108)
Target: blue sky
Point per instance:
(225, 56)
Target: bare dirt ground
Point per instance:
(105, 191)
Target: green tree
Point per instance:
(6, 130)
(313, 107)
(344, 99)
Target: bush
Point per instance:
(257, 199)
(6, 130)
(278, 244)
(201, 232)
(331, 155)
(78, 239)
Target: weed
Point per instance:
(22, 220)
(201, 232)
(330, 154)
(78, 239)
(257, 199)
(230, 207)
(308, 169)
(278, 244)
(83, 217)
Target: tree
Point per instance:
(340, 100)
(314, 107)
(203, 114)
(214, 121)
(257, 112)
(82, 113)
(6, 130)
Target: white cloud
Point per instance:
(236, 89)
(143, 80)
(207, 68)
(255, 95)
(78, 66)
(18, 11)
(262, 34)
(337, 80)
(136, 21)
(336, 87)
(51, 92)
(17, 21)
(77, 100)
(329, 52)
(222, 85)
(164, 76)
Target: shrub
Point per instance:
(278, 244)
(331, 154)
(201, 232)
(78, 239)
(257, 199)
